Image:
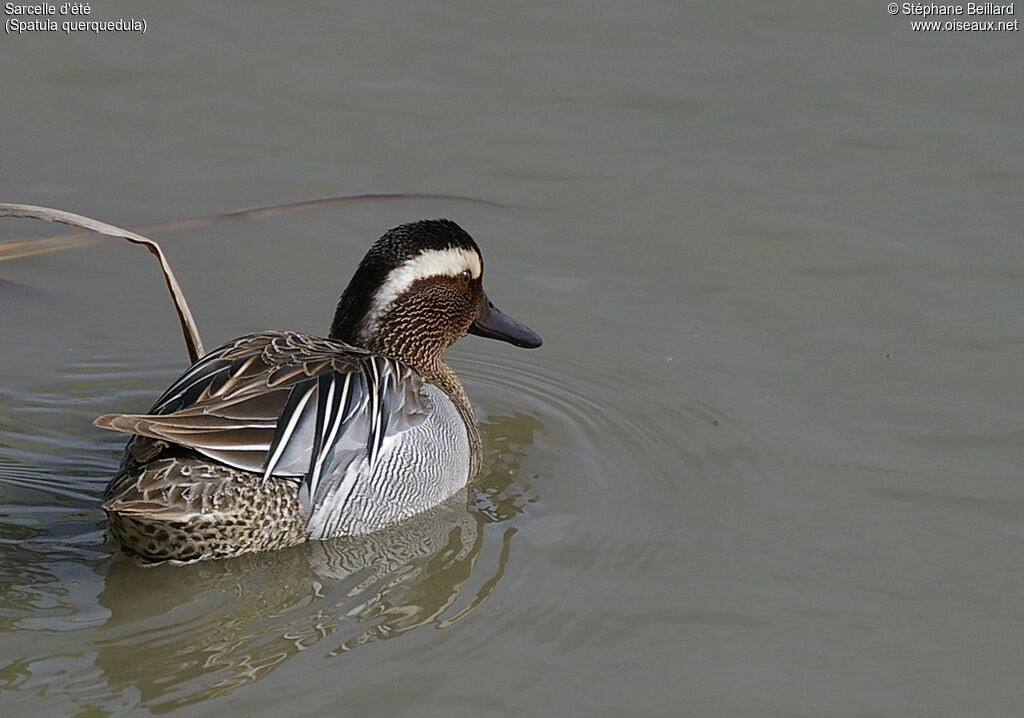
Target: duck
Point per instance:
(280, 437)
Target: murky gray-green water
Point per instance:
(768, 461)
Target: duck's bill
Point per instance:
(490, 322)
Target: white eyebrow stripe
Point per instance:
(450, 262)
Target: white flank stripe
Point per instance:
(292, 421)
(335, 418)
(318, 460)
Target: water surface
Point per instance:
(767, 461)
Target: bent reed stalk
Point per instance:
(193, 342)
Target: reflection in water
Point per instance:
(50, 539)
(180, 634)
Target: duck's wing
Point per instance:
(279, 403)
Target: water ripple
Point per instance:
(177, 635)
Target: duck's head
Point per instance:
(418, 290)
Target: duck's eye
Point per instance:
(465, 277)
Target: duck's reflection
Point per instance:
(180, 634)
